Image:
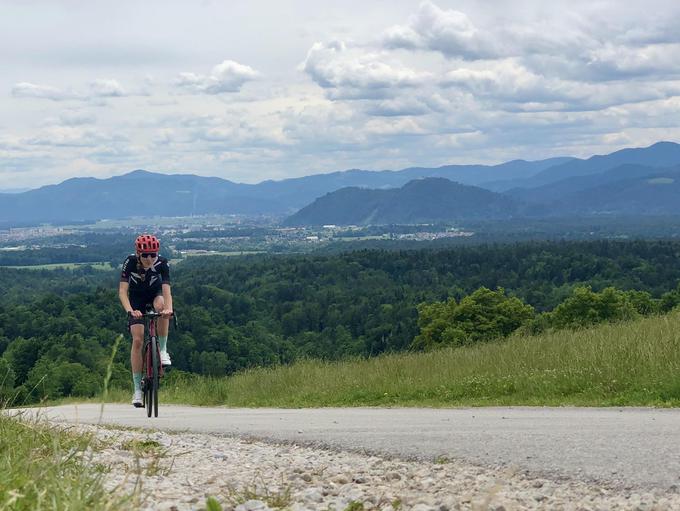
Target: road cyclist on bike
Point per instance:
(145, 284)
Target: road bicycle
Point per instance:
(152, 369)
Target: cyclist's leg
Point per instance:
(163, 327)
(137, 332)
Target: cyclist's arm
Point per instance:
(167, 296)
(123, 296)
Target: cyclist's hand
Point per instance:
(136, 314)
(166, 312)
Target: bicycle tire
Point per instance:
(155, 374)
(148, 394)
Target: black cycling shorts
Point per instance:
(142, 304)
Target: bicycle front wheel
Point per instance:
(148, 383)
(155, 375)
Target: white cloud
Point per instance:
(323, 127)
(97, 89)
(116, 153)
(403, 106)
(229, 76)
(617, 61)
(509, 82)
(32, 90)
(352, 73)
(449, 31)
(70, 136)
(76, 118)
(390, 127)
(106, 89)
(460, 140)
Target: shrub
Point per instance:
(482, 316)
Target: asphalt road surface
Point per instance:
(619, 447)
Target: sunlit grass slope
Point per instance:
(633, 363)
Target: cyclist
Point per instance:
(145, 283)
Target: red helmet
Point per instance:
(147, 243)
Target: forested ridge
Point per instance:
(241, 312)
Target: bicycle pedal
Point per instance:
(139, 405)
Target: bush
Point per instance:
(49, 379)
(482, 316)
(586, 307)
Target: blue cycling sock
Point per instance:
(137, 380)
(163, 341)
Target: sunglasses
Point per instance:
(148, 254)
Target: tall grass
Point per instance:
(43, 467)
(632, 363)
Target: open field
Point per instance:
(217, 253)
(159, 221)
(63, 266)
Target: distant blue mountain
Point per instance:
(432, 199)
(635, 194)
(138, 193)
(558, 190)
(142, 193)
(298, 192)
(661, 154)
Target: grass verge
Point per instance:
(625, 364)
(632, 363)
(42, 468)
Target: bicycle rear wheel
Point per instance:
(155, 375)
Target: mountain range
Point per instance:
(636, 181)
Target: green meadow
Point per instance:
(634, 363)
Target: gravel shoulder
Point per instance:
(420, 459)
(178, 471)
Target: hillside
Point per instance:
(139, 193)
(661, 154)
(653, 194)
(558, 190)
(419, 201)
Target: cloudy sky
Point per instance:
(250, 90)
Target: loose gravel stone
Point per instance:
(181, 471)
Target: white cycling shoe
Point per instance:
(137, 399)
(165, 359)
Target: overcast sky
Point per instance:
(270, 89)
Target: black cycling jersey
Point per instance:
(145, 284)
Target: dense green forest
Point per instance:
(57, 326)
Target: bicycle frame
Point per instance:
(151, 320)
(153, 369)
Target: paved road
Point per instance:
(636, 447)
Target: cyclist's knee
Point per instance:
(159, 303)
(137, 332)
